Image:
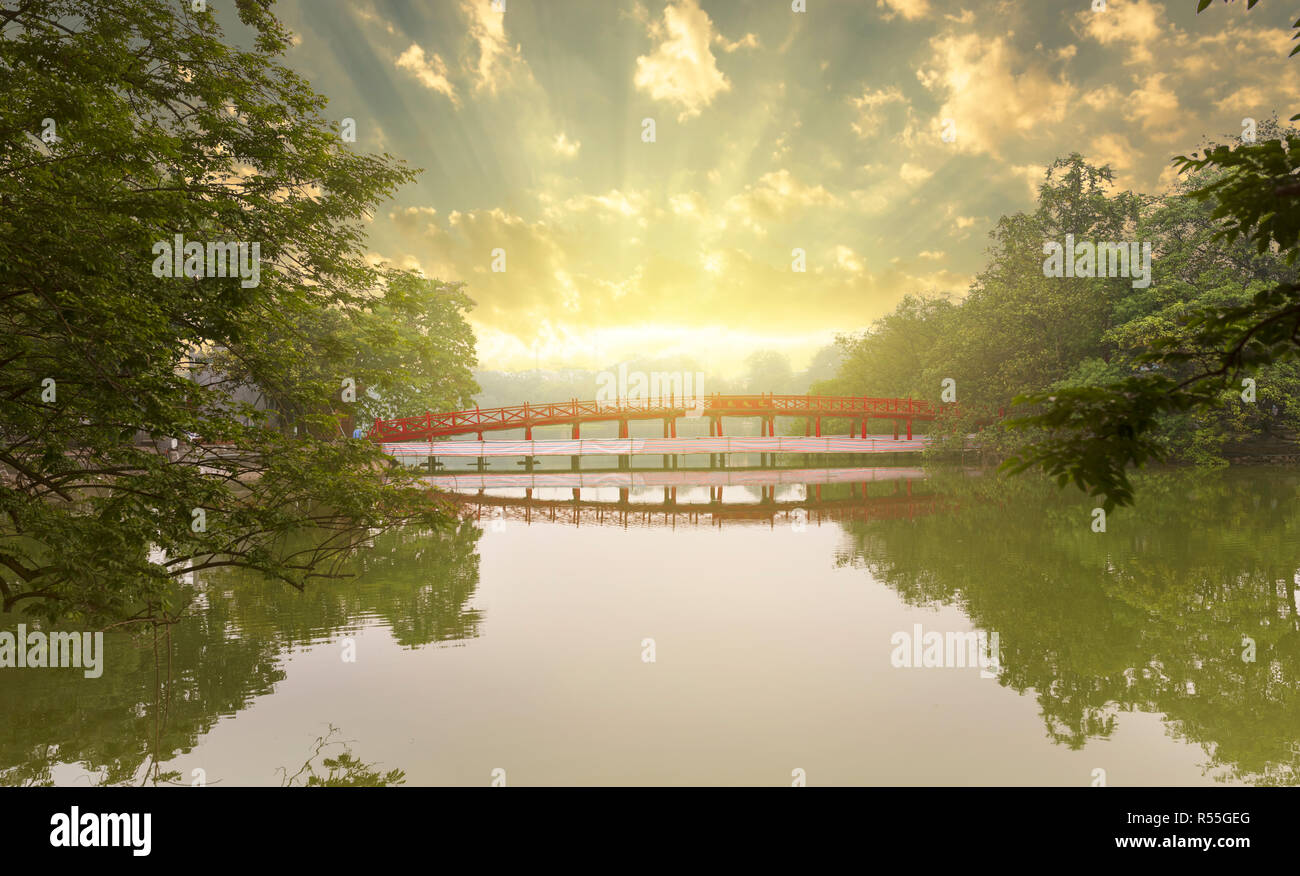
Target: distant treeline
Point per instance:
(1027, 326)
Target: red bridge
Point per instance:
(574, 413)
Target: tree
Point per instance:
(406, 350)
(123, 124)
(1096, 433)
(889, 359)
(767, 371)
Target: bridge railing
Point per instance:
(520, 416)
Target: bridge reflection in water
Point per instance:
(794, 497)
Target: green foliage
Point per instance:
(407, 349)
(1104, 376)
(344, 770)
(1220, 337)
(166, 127)
(1109, 377)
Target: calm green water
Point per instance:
(520, 643)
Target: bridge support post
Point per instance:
(819, 427)
(895, 430)
(624, 460)
(864, 427)
(909, 430)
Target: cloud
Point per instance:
(687, 204)
(992, 94)
(847, 260)
(364, 9)
(1250, 96)
(498, 62)
(565, 147)
(431, 71)
(775, 196)
(748, 41)
(869, 107)
(1106, 98)
(696, 237)
(628, 204)
(681, 70)
(911, 10)
(961, 222)
(1131, 23)
(1116, 151)
(1157, 107)
(912, 173)
(1032, 174)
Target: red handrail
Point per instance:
(558, 413)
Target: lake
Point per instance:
(737, 627)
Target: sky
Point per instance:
(883, 138)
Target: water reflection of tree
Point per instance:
(419, 583)
(229, 650)
(1101, 623)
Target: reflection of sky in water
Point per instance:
(520, 647)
